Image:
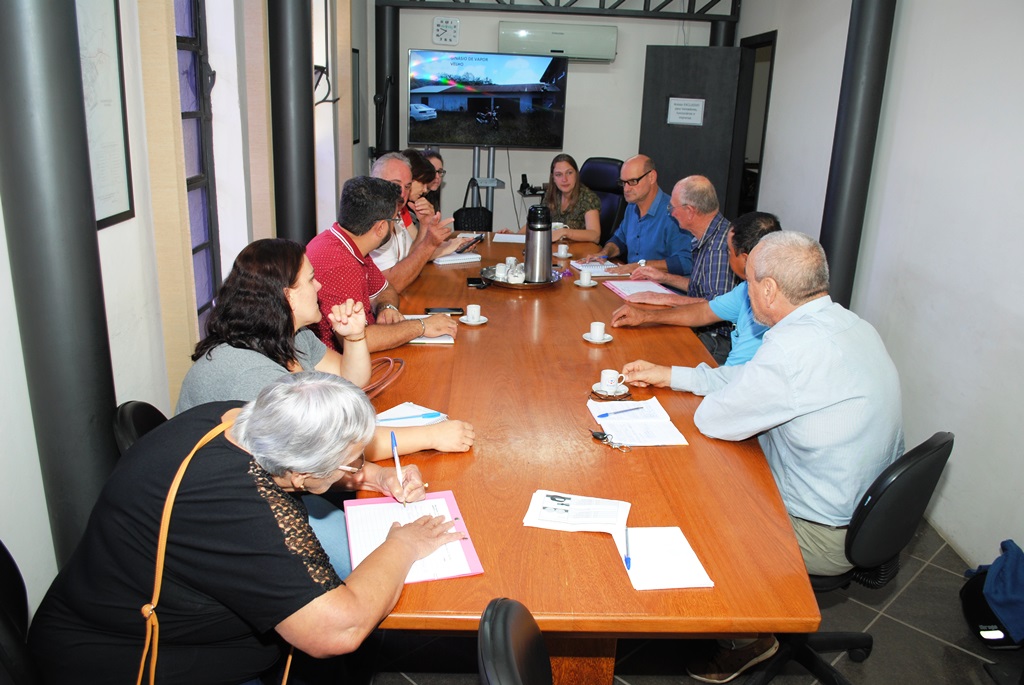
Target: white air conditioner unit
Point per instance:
(575, 41)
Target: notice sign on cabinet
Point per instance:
(686, 111)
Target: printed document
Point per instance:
(647, 426)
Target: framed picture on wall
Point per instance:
(99, 41)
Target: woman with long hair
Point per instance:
(571, 203)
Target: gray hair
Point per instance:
(796, 262)
(305, 423)
(699, 192)
(378, 166)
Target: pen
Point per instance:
(620, 411)
(427, 415)
(627, 548)
(398, 464)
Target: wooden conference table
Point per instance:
(523, 379)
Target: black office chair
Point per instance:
(510, 648)
(601, 174)
(133, 420)
(16, 666)
(883, 524)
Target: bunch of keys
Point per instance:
(606, 439)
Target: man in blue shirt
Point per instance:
(823, 398)
(648, 235)
(733, 306)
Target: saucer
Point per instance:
(621, 389)
(586, 336)
(561, 256)
(465, 319)
(585, 285)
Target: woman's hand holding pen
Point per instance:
(411, 489)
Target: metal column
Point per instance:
(290, 32)
(853, 148)
(55, 265)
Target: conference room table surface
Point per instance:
(523, 379)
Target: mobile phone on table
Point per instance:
(475, 282)
(445, 310)
(470, 244)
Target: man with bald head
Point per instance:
(823, 398)
(647, 235)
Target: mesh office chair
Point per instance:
(133, 420)
(15, 664)
(883, 524)
(601, 174)
(510, 648)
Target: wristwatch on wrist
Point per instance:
(641, 262)
(386, 306)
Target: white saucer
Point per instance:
(620, 390)
(586, 336)
(465, 319)
(561, 256)
(585, 285)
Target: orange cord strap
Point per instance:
(149, 610)
(387, 370)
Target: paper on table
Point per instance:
(661, 559)
(369, 520)
(597, 269)
(423, 340)
(409, 409)
(575, 513)
(626, 288)
(508, 238)
(647, 427)
(453, 258)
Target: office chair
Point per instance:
(510, 648)
(882, 525)
(15, 664)
(133, 420)
(601, 174)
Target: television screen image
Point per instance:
(474, 98)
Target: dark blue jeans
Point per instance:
(718, 345)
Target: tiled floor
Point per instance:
(920, 637)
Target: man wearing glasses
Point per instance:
(648, 235)
(341, 258)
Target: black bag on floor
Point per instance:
(473, 219)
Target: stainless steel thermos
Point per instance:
(538, 244)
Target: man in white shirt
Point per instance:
(823, 398)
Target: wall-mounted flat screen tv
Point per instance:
(476, 98)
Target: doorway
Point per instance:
(763, 46)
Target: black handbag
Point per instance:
(473, 219)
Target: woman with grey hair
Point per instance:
(241, 561)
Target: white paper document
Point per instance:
(424, 340)
(626, 288)
(661, 559)
(453, 258)
(638, 424)
(508, 238)
(575, 513)
(410, 414)
(598, 269)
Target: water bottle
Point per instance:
(538, 244)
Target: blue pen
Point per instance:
(627, 548)
(427, 415)
(398, 464)
(620, 411)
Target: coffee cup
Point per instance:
(585, 277)
(557, 225)
(597, 331)
(563, 250)
(510, 262)
(473, 312)
(610, 381)
(501, 271)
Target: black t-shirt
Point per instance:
(241, 558)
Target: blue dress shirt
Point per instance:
(656, 235)
(823, 398)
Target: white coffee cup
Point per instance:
(610, 381)
(563, 250)
(585, 277)
(473, 312)
(501, 271)
(557, 225)
(597, 331)
(510, 262)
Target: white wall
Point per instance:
(603, 103)
(927, 275)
